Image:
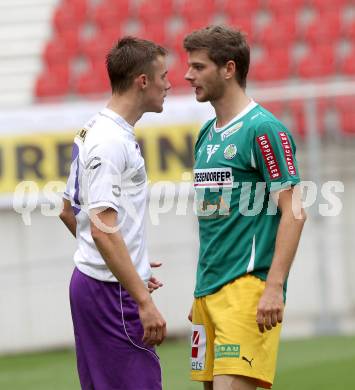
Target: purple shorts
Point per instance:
(108, 338)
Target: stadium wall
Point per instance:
(37, 251)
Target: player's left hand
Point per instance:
(270, 309)
(153, 282)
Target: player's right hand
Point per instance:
(154, 325)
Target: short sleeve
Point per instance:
(105, 164)
(275, 153)
(66, 193)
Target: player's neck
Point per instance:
(126, 107)
(230, 105)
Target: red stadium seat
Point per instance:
(93, 81)
(349, 30)
(325, 28)
(111, 13)
(155, 32)
(283, 5)
(70, 13)
(199, 22)
(296, 111)
(298, 116)
(110, 34)
(283, 34)
(319, 62)
(243, 8)
(347, 64)
(275, 65)
(155, 13)
(197, 8)
(281, 9)
(243, 23)
(346, 112)
(176, 42)
(53, 82)
(176, 76)
(276, 108)
(57, 52)
(70, 37)
(327, 5)
(98, 46)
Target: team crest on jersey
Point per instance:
(232, 130)
(211, 150)
(230, 151)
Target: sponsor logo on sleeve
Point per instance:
(198, 347)
(227, 133)
(81, 134)
(288, 153)
(213, 178)
(269, 156)
(211, 150)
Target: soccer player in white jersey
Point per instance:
(244, 155)
(116, 323)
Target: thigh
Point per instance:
(233, 382)
(202, 342)
(240, 348)
(108, 336)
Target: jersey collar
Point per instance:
(247, 109)
(108, 113)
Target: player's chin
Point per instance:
(156, 108)
(202, 98)
(159, 109)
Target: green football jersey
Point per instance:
(236, 169)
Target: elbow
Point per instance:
(301, 216)
(63, 216)
(97, 234)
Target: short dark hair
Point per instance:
(223, 44)
(129, 58)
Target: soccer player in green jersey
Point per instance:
(250, 219)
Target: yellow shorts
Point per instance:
(226, 339)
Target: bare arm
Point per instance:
(293, 217)
(114, 251)
(68, 217)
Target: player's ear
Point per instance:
(142, 81)
(230, 69)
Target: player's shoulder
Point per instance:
(207, 124)
(102, 131)
(263, 121)
(205, 128)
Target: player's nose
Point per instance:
(188, 75)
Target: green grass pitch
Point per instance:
(326, 363)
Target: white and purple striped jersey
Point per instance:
(108, 170)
